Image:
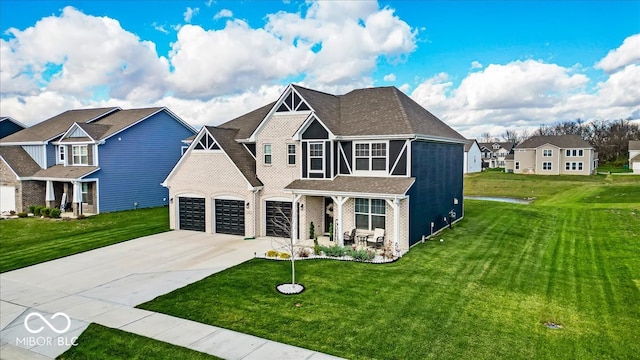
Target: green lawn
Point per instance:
(99, 342)
(572, 257)
(29, 241)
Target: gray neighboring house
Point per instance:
(494, 154)
(554, 155)
(634, 156)
(472, 157)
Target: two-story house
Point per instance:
(93, 160)
(554, 155)
(495, 153)
(372, 158)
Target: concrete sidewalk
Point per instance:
(104, 285)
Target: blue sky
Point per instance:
(480, 66)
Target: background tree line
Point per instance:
(610, 138)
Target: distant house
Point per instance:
(494, 153)
(634, 156)
(554, 155)
(92, 160)
(9, 126)
(472, 157)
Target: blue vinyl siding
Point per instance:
(51, 155)
(134, 162)
(437, 168)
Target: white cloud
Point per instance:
(628, 53)
(476, 65)
(224, 13)
(525, 94)
(389, 77)
(190, 13)
(160, 28)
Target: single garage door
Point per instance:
(273, 212)
(191, 212)
(229, 216)
(7, 198)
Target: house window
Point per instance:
(61, 153)
(567, 165)
(80, 155)
(546, 166)
(371, 156)
(370, 214)
(291, 154)
(517, 165)
(316, 158)
(580, 166)
(547, 152)
(267, 154)
(580, 153)
(85, 192)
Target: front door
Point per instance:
(328, 213)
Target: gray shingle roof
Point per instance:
(56, 125)
(634, 145)
(65, 172)
(122, 119)
(468, 145)
(19, 161)
(247, 123)
(506, 145)
(375, 111)
(353, 184)
(237, 152)
(561, 141)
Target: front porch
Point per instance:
(352, 217)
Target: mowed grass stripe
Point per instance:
(30, 241)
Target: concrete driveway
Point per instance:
(104, 285)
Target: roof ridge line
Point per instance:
(402, 110)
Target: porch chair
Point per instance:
(350, 237)
(377, 239)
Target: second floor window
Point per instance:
(547, 152)
(291, 154)
(80, 155)
(267, 154)
(316, 159)
(61, 153)
(371, 156)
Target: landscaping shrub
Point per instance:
(333, 251)
(303, 252)
(45, 211)
(81, 216)
(32, 209)
(22, 214)
(272, 253)
(284, 255)
(312, 231)
(55, 213)
(36, 210)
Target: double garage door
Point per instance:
(229, 215)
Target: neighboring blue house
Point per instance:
(105, 159)
(9, 126)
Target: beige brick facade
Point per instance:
(210, 175)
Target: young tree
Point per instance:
(282, 225)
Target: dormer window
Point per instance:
(293, 102)
(80, 154)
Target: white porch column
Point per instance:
(49, 193)
(340, 200)
(395, 205)
(77, 196)
(294, 218)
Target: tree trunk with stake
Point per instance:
(282, 225)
